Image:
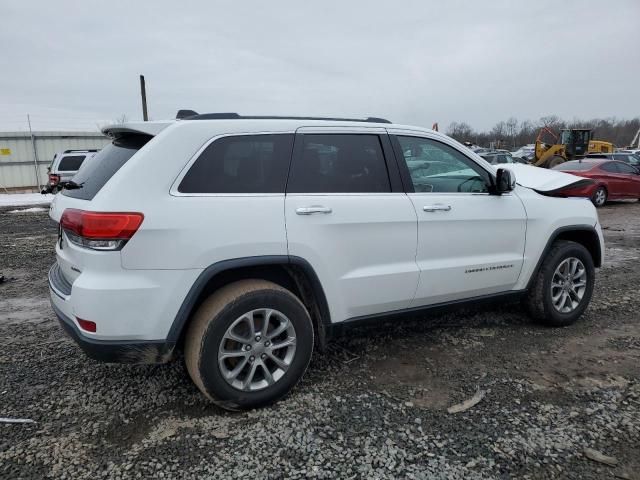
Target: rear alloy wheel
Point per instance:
(562, 288)
(257, 349)
(599, 197)
(249, 344)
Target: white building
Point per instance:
(19, 163)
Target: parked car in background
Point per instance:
(612, 180)
(635, 151)
(500, 157)
(64, 166)
(526, 152)
(630, 158)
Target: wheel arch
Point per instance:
(585, 235)
(290, 272)
(603, 185)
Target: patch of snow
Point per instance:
(20, 199)
(29, 210)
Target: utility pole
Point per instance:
(143, 93)
(35, 153)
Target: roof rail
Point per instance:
(82, 150)
(236, 116)
(185, 114)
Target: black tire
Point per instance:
(554, 161)
(538, 299)
(599, 197)
(209, 325)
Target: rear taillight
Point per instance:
(54, 179)
(100, 230)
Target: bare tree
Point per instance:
(512, 128)
(619, 132)
(460, 131)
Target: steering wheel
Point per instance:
(472, 179)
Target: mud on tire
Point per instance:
(221, 325)
(539, 302)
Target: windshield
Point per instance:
(97, 170)
(627, 158)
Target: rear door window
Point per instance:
(339, 163)
(71, 163)
(611, 167)
(241, 164)
(103, 165)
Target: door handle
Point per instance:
(436, 207)
(313, 209)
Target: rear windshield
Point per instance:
(574, 166)
(103, 165)
(70, 163)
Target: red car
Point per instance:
(612, 180)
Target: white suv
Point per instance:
(63, 167)
(245, 241)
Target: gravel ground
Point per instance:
(373, 406)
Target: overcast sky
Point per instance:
(73, 64)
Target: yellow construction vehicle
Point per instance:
(572, 143)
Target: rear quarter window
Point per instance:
(241, 164)
(99, 169)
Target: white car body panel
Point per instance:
(363, 252)
(545, 215)
(541, 179)
(460, 253)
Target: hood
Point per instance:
(543, 180)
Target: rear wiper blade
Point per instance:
(71, 185)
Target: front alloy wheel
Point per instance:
(568, 285)
(561, 289)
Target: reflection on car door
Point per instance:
(616, 183)
(630, 180)
(343, 216)
(470, 243)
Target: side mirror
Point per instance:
(505, 181)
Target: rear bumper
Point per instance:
(116, 352)
(111, 351)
